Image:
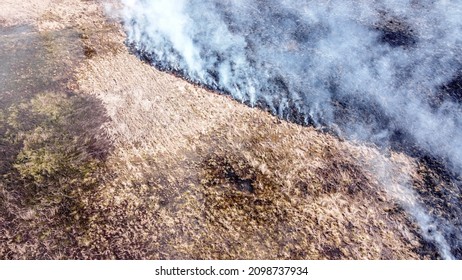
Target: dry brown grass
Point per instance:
(192, 174)
(20, 12)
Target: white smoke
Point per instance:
(398, 188)
(372, 69)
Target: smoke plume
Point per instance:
(388, 72)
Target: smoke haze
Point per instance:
(384, 71)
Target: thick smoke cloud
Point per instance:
(379, 71)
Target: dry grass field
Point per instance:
(105, 157)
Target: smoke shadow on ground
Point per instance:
(52, 145)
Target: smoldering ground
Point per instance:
(386, 72)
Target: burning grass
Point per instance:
(230, 183)
(127, 162)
